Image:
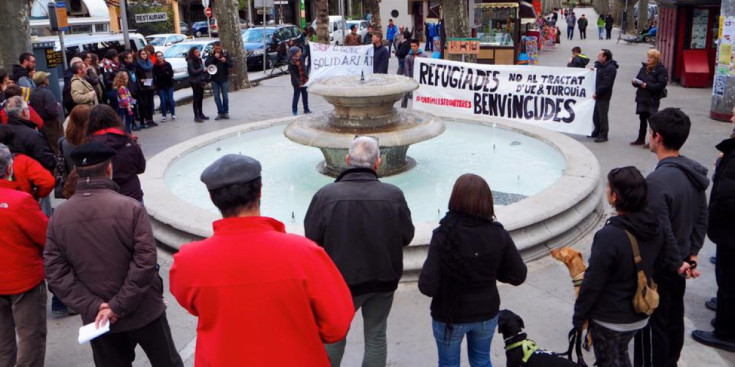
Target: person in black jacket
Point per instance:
(163, 79)
(468, 253)
(197, 79)
(650, 84)
(676, 193)
(363, 225)
(298, 79)
(605, 298)
(578, 59)
(43, 101)
(607, 70)
(144, 71)
(609, 22)
(128, 162)
(220, 80)
(127, 65)
(380, 54)
(721, 231)
(28, 140)
(402, 50)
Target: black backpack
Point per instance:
(60, 173)
(66, 98)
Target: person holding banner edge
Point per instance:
(607, 70)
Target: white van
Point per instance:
(97, 43)
(337, 29)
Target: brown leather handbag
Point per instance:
(646, 298)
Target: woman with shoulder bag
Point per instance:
(610, 286)
(468, 254)
(197, 78)
(651, 83)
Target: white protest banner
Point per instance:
(556, 98)
(328, 60)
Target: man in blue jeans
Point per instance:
(363, 225)
(220, 80)
(390, 33)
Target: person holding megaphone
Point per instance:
(220, 79)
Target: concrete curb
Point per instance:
(561, 213)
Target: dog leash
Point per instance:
(575, 345)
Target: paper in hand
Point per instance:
(638, 81)
(89, 332)
(148, 82)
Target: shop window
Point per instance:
(495, 23)
(700, 21)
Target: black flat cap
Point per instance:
(229, 170)
(89, 154)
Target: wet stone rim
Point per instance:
(561, 213)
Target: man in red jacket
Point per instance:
(263, 297)
(22, 289)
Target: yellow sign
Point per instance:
(53, 58)
(61, 17)
(719, 29)
(725, 54)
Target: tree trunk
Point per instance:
(617, 12)
(16, 35)
(373, 6)
(229, 34)
(322, 21)
(642, 15)
(455, 23)
(630, 21)
(602, 7)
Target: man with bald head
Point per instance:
(363, 224)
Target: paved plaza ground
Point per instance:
(546, 299)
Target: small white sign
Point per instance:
(150, 17)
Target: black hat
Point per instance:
(89, 154)
(229, 170)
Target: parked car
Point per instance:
(337, 29)
(362, 27)
(176, 55)
(184, 28)
(161, 42)
(200, 29)
(252, 39)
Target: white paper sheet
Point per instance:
(148, 82)
(89, 332)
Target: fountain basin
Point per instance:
(315, 130)
(558, 213)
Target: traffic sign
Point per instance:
(208, 12)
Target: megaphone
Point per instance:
(212, 69)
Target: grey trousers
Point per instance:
(24, 314)
(599, 118)
(375, 309)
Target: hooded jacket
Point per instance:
(676, 194)
(100, 249)
(22, 77)
(410, 58)
(127, 164)
(722, 198)
(579, 61)
(656, 81)
(610, 280)
(481, 252)
(606, 74)
(363, 224)
(31, 142)
(223, 68)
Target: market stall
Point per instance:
(497, 25)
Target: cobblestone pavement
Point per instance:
(545, 301)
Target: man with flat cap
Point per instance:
(100, 260)
(263, 297)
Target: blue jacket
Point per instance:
(380, 60)
(392, 30)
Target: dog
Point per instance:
(519, 350)
(575, 264)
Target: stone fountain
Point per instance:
(363, 105)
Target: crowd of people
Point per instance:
(97, 254)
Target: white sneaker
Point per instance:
(163, 119)
(173, 117)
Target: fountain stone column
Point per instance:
(364, 107)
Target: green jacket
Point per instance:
(600, 22)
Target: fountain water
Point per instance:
(365, 110)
